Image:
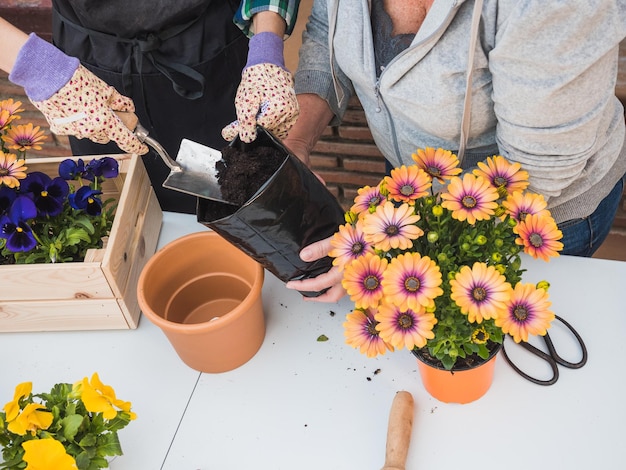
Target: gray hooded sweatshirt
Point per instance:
(542, 88)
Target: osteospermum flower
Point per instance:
(503, 175)
(518, 205)
(470, 198)
(12, 170)
(348, 243)
(405, 329)
(360, 332)
(540, 236)
(527, 313)
(392, 227)
(439, 164)
(412, 282)
(406, 184)
(9, 110)
(367, 200)
(362, 280)
(100, 398)
(44, 454)
(13, 107)
(481, 292)
(24, 137)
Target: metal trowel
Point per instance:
(193, 172)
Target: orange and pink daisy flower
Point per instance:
(540, 236)
(367, 200)
(470, 198)
(362, 280)
(361, 333)
(503, 175)
(518, 205)
(405, 328)
(406, 184)
(348, 243)
(9, 110)
(481, 292)
(439, 164)
(527, 313)
(412, 282)
(24, 137)
(12, 170)
(392, 227)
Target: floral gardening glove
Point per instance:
(73, 100)
(265, 95)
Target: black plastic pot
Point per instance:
(290, 211)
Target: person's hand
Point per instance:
(266, 94)
(330, 279)
(299, 148)
(85, 108)
(266, 97)
(73, 100)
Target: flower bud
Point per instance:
(500, 268)
(480, 240)
(432, 237)
(497, 257)
(466, 246)
(500, 211)
(437, 210)
(545, 285)
(442, 257)
(350, 217)
(498, 242)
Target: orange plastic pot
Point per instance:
(457, 386)
(205, 295)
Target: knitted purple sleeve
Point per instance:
(42, 69)
(265, 48)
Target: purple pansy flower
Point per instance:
(48, 194)
(86, 199)
(13, 226)
(105, 166)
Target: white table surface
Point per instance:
(303, 404)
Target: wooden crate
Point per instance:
(101, 292)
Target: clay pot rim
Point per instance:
(239, 310)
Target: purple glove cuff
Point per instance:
(42, 69)
(266, 48)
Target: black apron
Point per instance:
(182, 78)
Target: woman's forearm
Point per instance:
(315, 115)
(12, 41)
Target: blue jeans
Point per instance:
(582, 237)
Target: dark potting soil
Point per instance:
(463, 363)
(240, 174)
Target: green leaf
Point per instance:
(322, 338)
(77, 235)
(71, 424)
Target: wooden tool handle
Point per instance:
(129, 119)
(399, 431)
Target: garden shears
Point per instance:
(551, 357)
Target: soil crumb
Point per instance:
(240, 174)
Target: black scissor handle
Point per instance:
(553, 358)
(559, 359)
(539, 353)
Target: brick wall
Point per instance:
(345, 157)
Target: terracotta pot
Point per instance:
(457, 386)
(205, 294)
